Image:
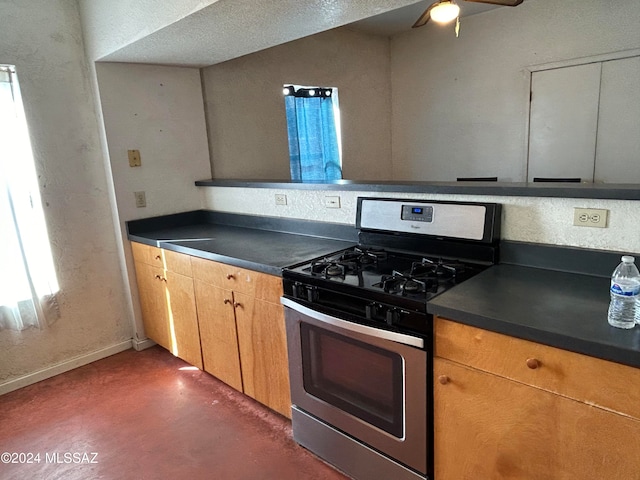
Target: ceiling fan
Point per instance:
(444, 11)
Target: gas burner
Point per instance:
(330, 269)
(334, 270)
(399, 283)
(412, 286)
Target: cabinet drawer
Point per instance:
(177, 262)
(259, 285)
(147, 254)
(158, 257)
(606, 384)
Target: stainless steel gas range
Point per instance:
(360, 339)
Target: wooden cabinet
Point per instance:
(223, 319)
(506, 408)
(167, 301)
(242, 331)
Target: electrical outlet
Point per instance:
(141, 199)
(332, 202)
(281, 199)
(590, 217)
(134, 158)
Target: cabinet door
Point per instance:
(491, 427)
(263, 352)
(153, 303)
(182, 317)
(563, 122)
(168, 309)
(218, 333)
(618, 144)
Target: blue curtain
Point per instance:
(313, 140)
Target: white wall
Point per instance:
(246, 114)
(460, 105)
(158, 111)
(525, 219)
(43, 39)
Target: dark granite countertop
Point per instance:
(238, 244)
(564, 310)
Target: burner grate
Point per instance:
(364, 256)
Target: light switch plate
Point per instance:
(590, 217)
(134, 158)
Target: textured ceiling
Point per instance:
(221, 30)
(229, 29)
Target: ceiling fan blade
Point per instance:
(424, 18)
(505, 3)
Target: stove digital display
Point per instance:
(417, 214)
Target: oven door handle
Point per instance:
(353, 327)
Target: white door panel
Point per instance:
(563, 122)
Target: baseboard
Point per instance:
(62, 367)
(142, 344)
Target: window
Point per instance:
(27, 280)
(313, 127)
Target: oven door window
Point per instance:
(361, 379)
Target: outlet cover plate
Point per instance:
(141, 199)
(281, 199)
(332, 201)
(590, 217)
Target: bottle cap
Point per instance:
(628, 259)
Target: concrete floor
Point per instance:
(147, 415)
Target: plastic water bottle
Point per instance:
(625, 291)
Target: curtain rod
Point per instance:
(322, 92)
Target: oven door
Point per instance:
(366, 382)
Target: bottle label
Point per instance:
(625, 290)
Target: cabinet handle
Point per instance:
(443, 379)
(237, 305)
(533, 363)
(158, 257)
(227, 301)
(230, 276)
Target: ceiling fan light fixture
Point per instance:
(444, 12)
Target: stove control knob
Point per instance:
(368, 310)
(392, 316)
(312, 294)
